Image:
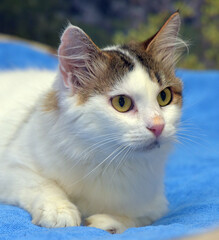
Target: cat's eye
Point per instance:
(122, 103)
(165, 97)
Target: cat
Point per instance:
(88, 145)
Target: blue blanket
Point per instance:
(192, 172)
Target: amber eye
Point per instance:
(122, 103)
(165, 97)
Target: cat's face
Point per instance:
(137, 111)
(128, 95)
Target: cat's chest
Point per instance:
(130, 190)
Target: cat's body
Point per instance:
(20, 130)
(64, 145)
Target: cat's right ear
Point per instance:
(165, 46)
(77, 57)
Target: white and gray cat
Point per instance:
(91, 143)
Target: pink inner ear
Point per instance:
(165, 46)
(72, 50)
(65, 76)
(63, 56)
(76, 56)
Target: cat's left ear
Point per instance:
(165, 46)
(78, 58)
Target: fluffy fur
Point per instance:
(66, 154)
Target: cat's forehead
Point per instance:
(130, 67)
(137, 84)
(139, 69)
(132, 55)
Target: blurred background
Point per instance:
(117, 21)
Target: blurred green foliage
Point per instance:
(117, 21)
(210, 32)
(143, 31)
(203, 39)
(44, 20)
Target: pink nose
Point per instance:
(156, 129)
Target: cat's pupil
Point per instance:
(121, 101)
(163, 95)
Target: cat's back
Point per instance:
(19, 93)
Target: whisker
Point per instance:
(190, 131)
(103, 135)
(98, 144)
(185, 146)
(190, 135)
(186, 140)
(87, 154)
(120, 162)
(102, 162)
(121, 150)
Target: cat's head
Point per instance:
(123, 96)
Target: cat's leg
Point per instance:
(110, 223)
(42, 198)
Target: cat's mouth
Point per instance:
(151, 146)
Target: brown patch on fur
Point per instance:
(165, 77)
(177, 98)
(156, 77)
(50, 102)
(114, 65)
(147, 60)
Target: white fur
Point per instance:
(51, 162)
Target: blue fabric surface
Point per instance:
(192, 173)
(18, 54)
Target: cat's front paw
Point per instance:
(53, 215)
(105, 222)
